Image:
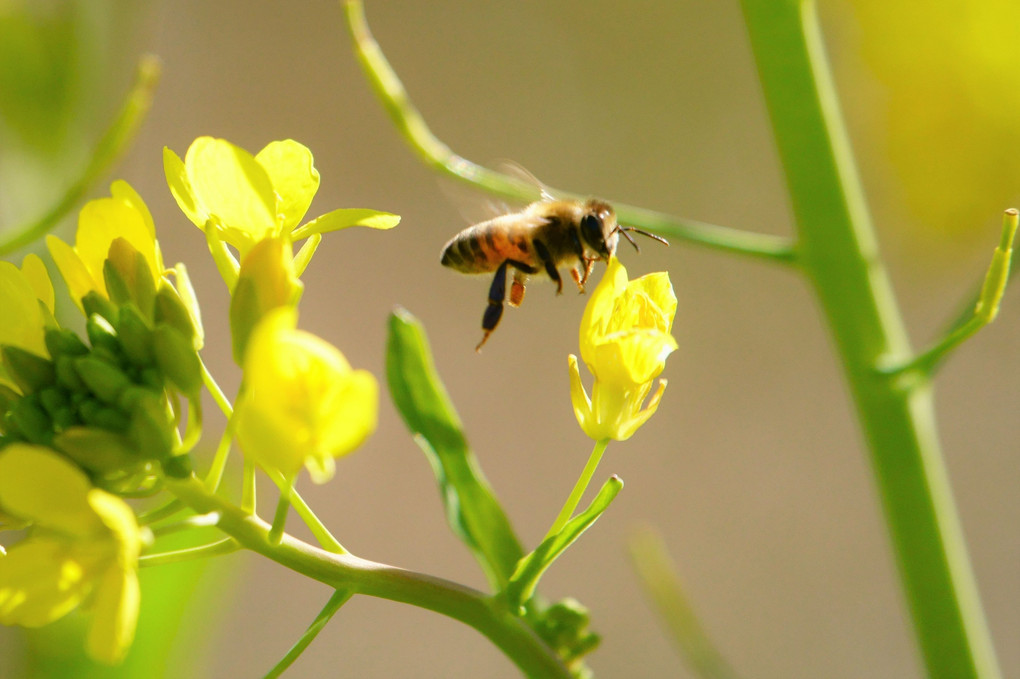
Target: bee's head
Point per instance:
(599, 230)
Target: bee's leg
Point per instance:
(517, 288)
(493, 312)
(575, 273)
(589, 264)
(550, 266)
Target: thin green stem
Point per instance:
(578, 492)
(280, 518)
(339, 598)
(315, 525)
(248, 500)
(192, 522)
(224, 546)
(219, 462)
(214, 389)
(662, 585)
(439, 156)
(344, 571)
(164, 511)
(927, 361)
(985, 308)
(108, 149)
(839, 254)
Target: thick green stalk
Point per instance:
(838, 252)
(359, 576)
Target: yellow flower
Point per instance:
(26, 302)
(249, 198)
(946, 116)
(84, 544)
(625, 339)
(302, 405)
(101, 222)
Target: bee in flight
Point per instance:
(544, 236)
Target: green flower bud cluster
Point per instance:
(106, 405)
(564, 626)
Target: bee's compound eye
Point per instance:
(591, 227)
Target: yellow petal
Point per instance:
(40, 582)
(632, 424)
(180, 188)
(660, 292)
(115, 614)
(104, 220)
(41, 486)
(349, 412)
(231, 186)
(600, 306)
(23, 321)
(125, 193)
(118, 518)
(294, 178)
(35, 273)
(579, 397)
(76, 276)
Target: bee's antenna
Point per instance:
(624, 229)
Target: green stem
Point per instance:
(339, 598)
(439, 156)
(217, 393)
(839, 254)
(190, 523)
(280, 519)
(224, 546)
(662, 585)
(315, 525)
(248, 490)
(359, 576)
(108, 149)
(164, 511)
(582, 484)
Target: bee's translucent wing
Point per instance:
(518, 171)
(476, 206)
(473, 205)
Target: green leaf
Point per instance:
(345, 217)
(472, 510)
(530, 569)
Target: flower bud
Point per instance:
(102, 379)
(30, 420)
(95, 304)
(67, 374)
(29, 371)
(64, 342)
(150, 430)
(177, 359)
(128, 277)
(102, 336)
(171, 309)
(97, 450)
(135, 336)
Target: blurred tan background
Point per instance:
(753, 468)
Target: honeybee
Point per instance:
(544, 236)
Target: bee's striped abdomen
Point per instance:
(483, 247)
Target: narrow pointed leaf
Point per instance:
(530, 569)
(472, 510)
